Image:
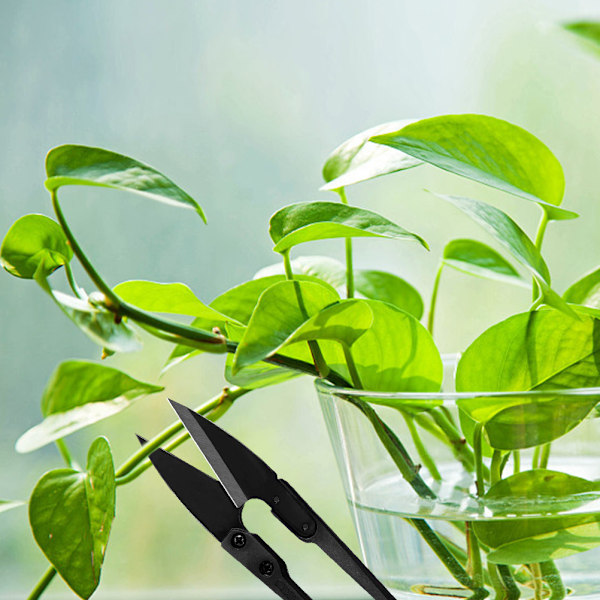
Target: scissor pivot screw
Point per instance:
(266, 568)
(305, 527)
(238, 540)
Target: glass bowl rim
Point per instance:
(326, 386)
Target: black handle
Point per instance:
(315, 531)
(263, 562)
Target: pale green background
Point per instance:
(240, 102)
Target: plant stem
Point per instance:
(71, 280)
(510, 587)
(478, 459)
(450, 562)
(424, 455)
(541, 229)
(538, 586)
(434, 295)
(118, 306)
(64, 452)
(212, 414)
(395, 448)
(352, 369)
(545, 455)
(228, 394)
(459, 445)
(535, 459)
(349, 258)
(499, 591)
(496, 467)
(315, 350)
(474, 566)
(552, 577)
(42, 584)
(516, 461)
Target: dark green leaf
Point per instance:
(476, 258)
(487, 150)
(10, 504)
(387, 287)
(397, 354)
(71, 514)
(78, 394)
(358, 159)
(510, 236)
(83, 165)
(588, 33)
(31, 240)
(538, 351)
(277, 315)
(311, 221)
(585, 291)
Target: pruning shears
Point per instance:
(218, 505)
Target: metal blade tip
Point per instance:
(178, 408)
(141, 440)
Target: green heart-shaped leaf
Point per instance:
(312, 221)
(83, 165)
(387, 287)
(539, 351)
(78, 394)
(476, 258)
(172, 298)
(358, 159)
(511, 237)
(490, 151)
(277, 316)
(31, 241)
(396, 354)
(71, 514)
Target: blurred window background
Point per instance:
(240, 103)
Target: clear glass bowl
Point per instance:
(385, 508)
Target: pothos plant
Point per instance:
(311, 315)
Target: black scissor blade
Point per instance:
(243, 474)
(202, 495)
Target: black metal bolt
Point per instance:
(238, 540)
(266, 568)
(305, 526)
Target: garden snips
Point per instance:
(218, 505)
